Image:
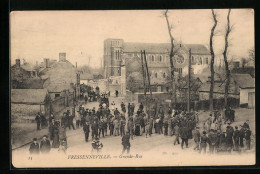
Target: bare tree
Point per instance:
(228, 30)
(165, 13)
(251, 53)
(212, 58)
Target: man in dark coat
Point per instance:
(184, 133)
(248, 138)
(241, 136)
(70, 120)
(116, 112)
(51, 129)
(229, 137)
(129, 109)
(126, 143)
(86, 130)
(34, 147)
(45, 145)
(38, 120)
(141, 107)
(236, 139)
(246, 125)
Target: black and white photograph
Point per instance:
(132, 88)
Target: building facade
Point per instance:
(122, 58)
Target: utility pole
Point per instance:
(147, 72)
(189, 66)
(144, 79)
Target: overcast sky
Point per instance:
(36, 35)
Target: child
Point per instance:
(63, 145)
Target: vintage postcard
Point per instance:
(132, 88)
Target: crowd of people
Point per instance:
(215, 132)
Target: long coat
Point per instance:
(45, 146)
(34, 148)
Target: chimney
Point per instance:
(62, 57)
(46, 63)
(17, 61)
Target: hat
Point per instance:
(204, 132)
(34, 139)
(236, 127)
(45, 136)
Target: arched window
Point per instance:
(155, 74)
(152, 58)
(207, 60)
(160, 58)
(200, 61)
(164, 75)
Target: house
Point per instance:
(27, 103)
(241, 86)
(25, 76)
(60, 77)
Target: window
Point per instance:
(57, 95)
(118, 70)
(155, 75)
(160, 59)
(200, 62)
(164, 75)
(152, 58)
(207, 60)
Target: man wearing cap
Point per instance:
(34, 147)
(196, 136)
(126, 143)
(45, 145)
(241, 136)
(203, 142)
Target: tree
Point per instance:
(214, 16)
(171, 54)
(134, 82)
(251, 55)
(228, 30)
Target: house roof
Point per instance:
(162, 47)
(244, 80)
(59, 76)
(218, 88)
(28, 96)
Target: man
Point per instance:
(203, 142)
(248, 138)
(176, 133)
(111, 125)
(101, 127)
(150, 126)
(130, 127)
(184, 133)
(123, 107)
(241, 136)
(51, 129)
(165, 124)
(51, 117)
(116, 112)
(196, 136)
(71, 117)
(34, 147)
(146, 123)
(45, 146)
(116, 127)
(129, 109)
(122, 126)
(246, 125)
(141, 107)
(229, 137)
(78, 119)
(94, 129)
(236, 139)
(86, 130)
(212, 140)
(44, 123)
(126, 143)
(38, 120)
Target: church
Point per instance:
(123, 58)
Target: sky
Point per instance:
(43, 34)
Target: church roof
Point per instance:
(131, 47)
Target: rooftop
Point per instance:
(28, 96)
